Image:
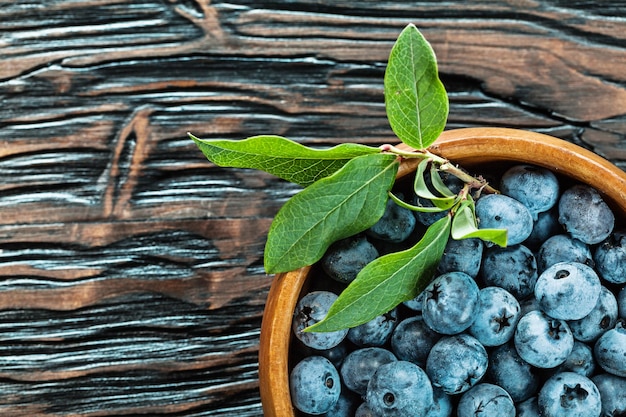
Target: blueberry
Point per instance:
(610, 258)
(486, 400)
(375, 332)
(513, 268)
(497, 211)
(344, 259)
(535, 187)
(313, 308)
(450, 302)
(610, 350)
(508, 370)
(568, 394)
(496, 318)
(621, 303)
(612, 390)
(563, 248)
(359, 366)
(442, 404)
(580, 360)
(585, 215)
(456, 363)
(528, 408)
(568, 290)
(412, 339)
(602, 318)
(314, 385)
(462, 255)
(399, 389)
(543, 341)
(546, 225)
(396, 224)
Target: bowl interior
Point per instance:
(470, 148)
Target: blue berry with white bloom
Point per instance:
(456, 363)
(375, 332)
(612, 392)
(584, 214)
(486, 400)
(464, 255)
(508, 370)
(568, 394)
(399, 389)
(344, 259)
(543, 341)
(563, 248)
(496, 318)
(610, 258)
(314, 385)
(313, 308)
(513, 268)
(412, 340)
(568, 290)
(602, 318)
(359, 366)
(450, 302)
(535, 187)
(497, 211)
(610, 350)
(580, 360)
(396, 224)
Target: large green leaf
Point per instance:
(387, 281)
(282, 157)
(335, 207)
(415, 99)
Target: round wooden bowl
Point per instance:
(468, 148)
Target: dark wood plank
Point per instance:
(131, 279)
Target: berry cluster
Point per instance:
(534, 329)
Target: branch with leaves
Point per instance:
(346, 189)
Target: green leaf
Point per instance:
(438, 183)
(387, 281)
(408, 206)
(464, 226)
(415, 99)
(282, 157)
(341, 205)
(422, 190)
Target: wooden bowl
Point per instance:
(469, 148)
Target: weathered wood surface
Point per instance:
(131, 278)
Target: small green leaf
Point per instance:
(415, 208)
(335, 207)
(415, 99)
(282, 157)
(422, 189)
(464, 226)
(387, 281)
(438, 183)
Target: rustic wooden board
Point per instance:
(131, 278)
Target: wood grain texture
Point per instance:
(131, 278)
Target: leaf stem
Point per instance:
(480, 183)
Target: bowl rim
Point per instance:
(466, 146)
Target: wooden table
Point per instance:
(131, 278)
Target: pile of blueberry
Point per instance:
(534, 329)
